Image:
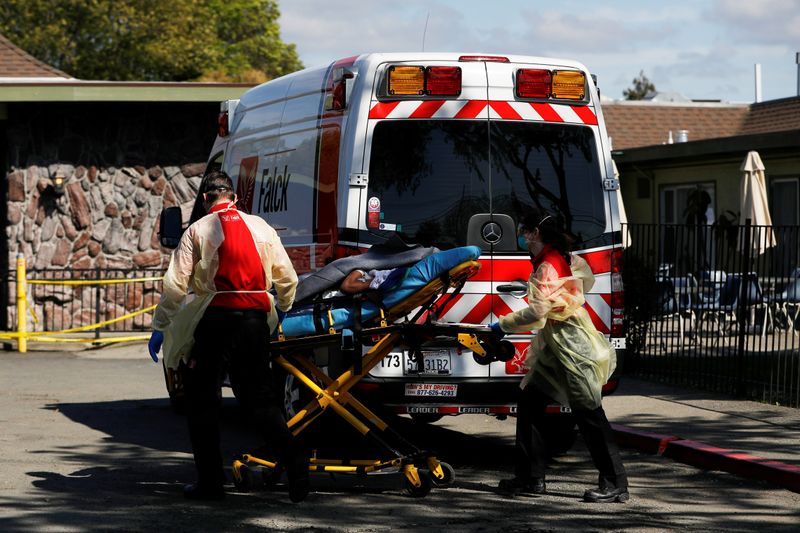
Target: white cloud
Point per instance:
(701, 48)
(324, 30)
(759, 21)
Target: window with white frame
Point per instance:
(681, 204)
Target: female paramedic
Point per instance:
(569, 362)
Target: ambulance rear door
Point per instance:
(428, 171)
(545, 152)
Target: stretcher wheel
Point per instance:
(242, 477)
(271, 476)
(449, 475)
(421, 491)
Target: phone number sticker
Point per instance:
(441, 390)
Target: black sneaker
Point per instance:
(607, 495)
(516, 485)
(195, 491)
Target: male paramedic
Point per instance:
(229, 260)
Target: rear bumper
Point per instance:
(469, 392)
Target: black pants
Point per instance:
(236, 342)
(531, 452)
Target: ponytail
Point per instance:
(551, 229)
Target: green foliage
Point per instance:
(641, 87)
(175, 40)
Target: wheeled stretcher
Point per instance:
(405, 317)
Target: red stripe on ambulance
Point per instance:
(479, 313)
(382, 109)
(499, 307)
(330, 133)
(601, 326)
(505, 110)
(472, 109)
(547, 112)
(503, 270)
(599, 261)
(426, 109)
(586, 115)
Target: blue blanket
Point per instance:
(300, 321)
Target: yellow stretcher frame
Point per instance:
(334, 393)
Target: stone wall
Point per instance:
(104, 218)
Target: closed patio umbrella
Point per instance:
(753, 205)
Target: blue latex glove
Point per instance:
(281, 314)
(495, 327)
(154, 345)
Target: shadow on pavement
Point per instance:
(141, 459)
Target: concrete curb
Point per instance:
(710, 457)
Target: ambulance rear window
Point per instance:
(552, 166)
(431, 176)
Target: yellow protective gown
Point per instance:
(569, 360)
(188, 285)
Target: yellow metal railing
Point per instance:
(22, 335)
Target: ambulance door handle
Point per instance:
(516, 287)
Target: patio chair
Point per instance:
(664, 305)
(739, 293)
(664, 271)
(685, 288)
(789, 303)
(706, 306)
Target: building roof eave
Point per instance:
(667, 154)
(71, 90)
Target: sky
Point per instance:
(702, 49)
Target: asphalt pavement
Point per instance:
(706, 430)
(89, 443)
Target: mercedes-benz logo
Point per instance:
(492, 232)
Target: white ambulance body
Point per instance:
(445, 150)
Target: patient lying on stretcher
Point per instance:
(314, 310)
(359, 280)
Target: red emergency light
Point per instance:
(443, 81)
(534, 83)
(495, 59)
(222, 124)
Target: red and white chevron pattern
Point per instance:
(486, 109)
(476, 304)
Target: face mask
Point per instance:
(522, 243)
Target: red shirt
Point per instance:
(240, 267)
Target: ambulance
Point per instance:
(442, 149)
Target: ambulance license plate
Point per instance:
(440, 390)
(434, 363)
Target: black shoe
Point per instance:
(607, 495)
(517, 485)
(298, 480)
(195, 491)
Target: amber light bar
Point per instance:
(406, 81)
